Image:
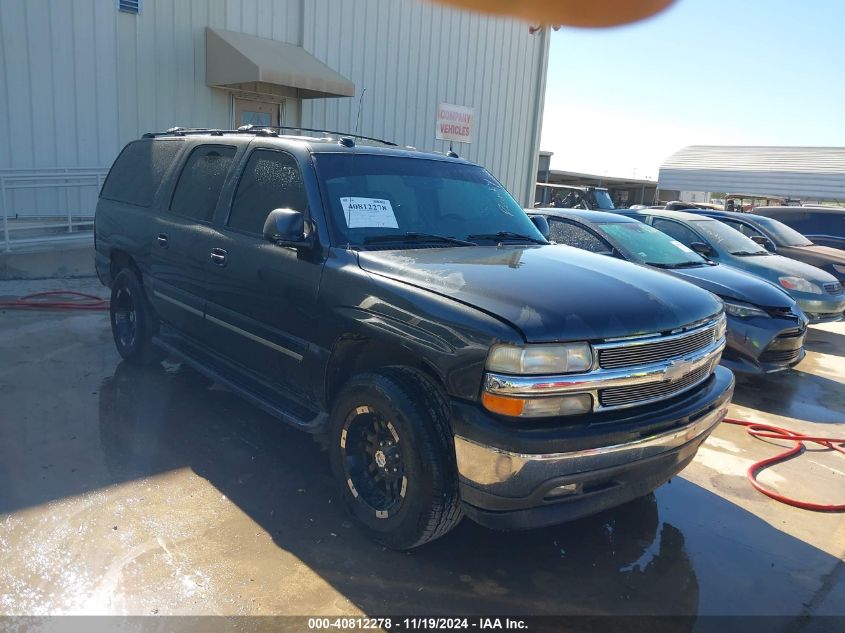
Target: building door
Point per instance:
(253, 112)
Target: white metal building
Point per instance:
(80, 78)
(802, 172)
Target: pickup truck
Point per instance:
(402, 307)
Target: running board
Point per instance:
(313, 423)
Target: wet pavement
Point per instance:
(154, 491)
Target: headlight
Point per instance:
(540, 359)
(800, 284)
(721, 328)
(743, 310)
(840, 268)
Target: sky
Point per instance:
(704, 72)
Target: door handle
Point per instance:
(218, 256)
(162, 240)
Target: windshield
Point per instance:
(727, 238)
(647, 245)
(603, 200)
(781, 234)
(373, 196)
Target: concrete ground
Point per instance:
(153, 491)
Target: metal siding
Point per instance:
(412, 56)
(16, 62)
(5, 119)
(813, 172)
(79, 79)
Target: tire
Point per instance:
(133, 323)
(392, 453)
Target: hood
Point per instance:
(815, 255)
(550, 293)
(782, 266)
(732, 283)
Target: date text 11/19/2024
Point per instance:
(416, 623)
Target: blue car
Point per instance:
(778, 238)
(766, 328)
(819, 294)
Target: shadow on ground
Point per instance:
(825, 342)
(683, 550)
(795, 394)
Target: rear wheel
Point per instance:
(133, 323)
(392, 451)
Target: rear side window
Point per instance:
(137, 173)
(573, 235)
(676, 230)
(271, 180)
(201, 180)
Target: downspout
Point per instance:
(540, 96)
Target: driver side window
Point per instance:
(743, 228)
(271, 180)
(572, 235)
(678, 231)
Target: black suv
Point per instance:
(403, 307)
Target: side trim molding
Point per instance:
(230, 327)
(254, 337)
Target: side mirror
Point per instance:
(286, 227)
(703, 249)
(765, 242)
(542, 225)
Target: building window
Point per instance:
(129, 6)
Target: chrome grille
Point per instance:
(833, 288)
(641, 394)
(647, 352)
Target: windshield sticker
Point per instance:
(368, 212)
(683, 247)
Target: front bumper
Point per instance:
(577, 470)
(762, 345)
(826, 310)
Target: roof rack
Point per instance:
(261, 130)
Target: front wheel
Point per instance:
(392, 451)
(133, 323)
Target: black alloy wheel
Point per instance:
(393, 455)
(124, 318)
(133, 322)
(372, 457)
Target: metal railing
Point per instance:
(45, 205)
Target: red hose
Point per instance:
(755, 429)
(71, 300)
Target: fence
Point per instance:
(45, 205)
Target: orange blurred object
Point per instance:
(584, 13)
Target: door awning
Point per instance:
(233, 59)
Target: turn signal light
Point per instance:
(502, 405)
(548, 407)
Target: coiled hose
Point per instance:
(768, 431)
(56, 300)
